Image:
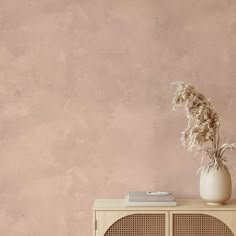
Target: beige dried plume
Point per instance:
(203, 124)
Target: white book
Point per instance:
(137, 204)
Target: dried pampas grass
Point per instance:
(203, 124)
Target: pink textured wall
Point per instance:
(85, 102)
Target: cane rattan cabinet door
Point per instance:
(212, 223)
(132, 223)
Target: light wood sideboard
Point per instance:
(189, 218)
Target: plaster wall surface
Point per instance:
(85, 103)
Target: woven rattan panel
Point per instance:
(199, 225)
(138, 225)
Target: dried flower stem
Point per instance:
(203, 124)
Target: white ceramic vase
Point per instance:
(215, 185)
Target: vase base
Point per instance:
(214, 203)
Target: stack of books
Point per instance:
(150, 199)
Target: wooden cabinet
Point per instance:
(188, 218)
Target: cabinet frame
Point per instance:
(107, 211)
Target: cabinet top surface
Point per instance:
(182, 204)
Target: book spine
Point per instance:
(142, 204)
